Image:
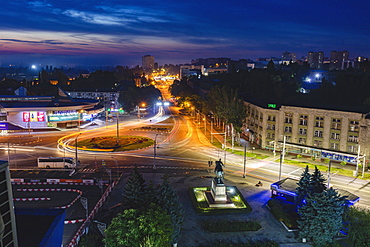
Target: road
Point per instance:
(185, 147)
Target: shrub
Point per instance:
(229, 225)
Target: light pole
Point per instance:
(205, 125)
(117, 166)
(155, 151)
(77, 163)
(245, 158)
(282, 158)
(212, 129)
(225, 145)
(117, 129)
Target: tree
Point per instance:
(134, 191)
(303, 188)
(357, 221)
(169, 201)
(317, 184)
(321, 217)
(136, 228)
(226, 104)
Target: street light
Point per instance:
(245, 158)
(155, 151)
(117, 166)
(117, 129)
(77, 163)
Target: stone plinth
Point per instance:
(218, 190)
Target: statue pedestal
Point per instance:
(218, 190)
(217, 197)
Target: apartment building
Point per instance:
(335, 131)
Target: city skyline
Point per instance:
(69, 33)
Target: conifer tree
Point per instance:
(321, 217)
(303, 188)
(134, 191)
(317, 184)
(169, 201)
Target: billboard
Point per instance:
(33, 116)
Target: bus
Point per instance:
(56, 162)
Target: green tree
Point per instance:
(321, 217)
(303, 188)
(135, 228)
(358, 224)
(169, 201)
(134, 191)
(317, 183)
(226, 104)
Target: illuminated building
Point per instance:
(26, 113)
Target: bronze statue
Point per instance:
(218, 169)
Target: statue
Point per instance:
(218, 169)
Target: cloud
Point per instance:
(52, 42)
(96, 18)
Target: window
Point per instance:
(288, 118)
(288, 129)
(354, 126)
(273, 126)
(271, 118)
(352, 138)
(352, 149)
(335, 136)
(288, 138)
(268, 126)
(302, 140)
(303, 120)
(335, 123)
(334, 145)
(261, 117)
(302, 131)
(317, 143)
(268, 136)
(319, 122)
(318, 133)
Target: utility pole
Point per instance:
(77, 163)
(245, 158)
(117, 129)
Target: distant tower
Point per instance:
(337, 58)
(316, 59)
(148, 63)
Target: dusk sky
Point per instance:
(109, 32)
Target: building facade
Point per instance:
(316, 59)
(148, 63)
(338, 132)
(108, 98)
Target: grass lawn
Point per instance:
(125, 143)
(324, 168)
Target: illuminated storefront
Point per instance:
(38, 113)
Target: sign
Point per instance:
(55, 118)
(3, 126)
(33, 116)
(103, 163)
(271, 106)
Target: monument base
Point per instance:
(217, 197)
